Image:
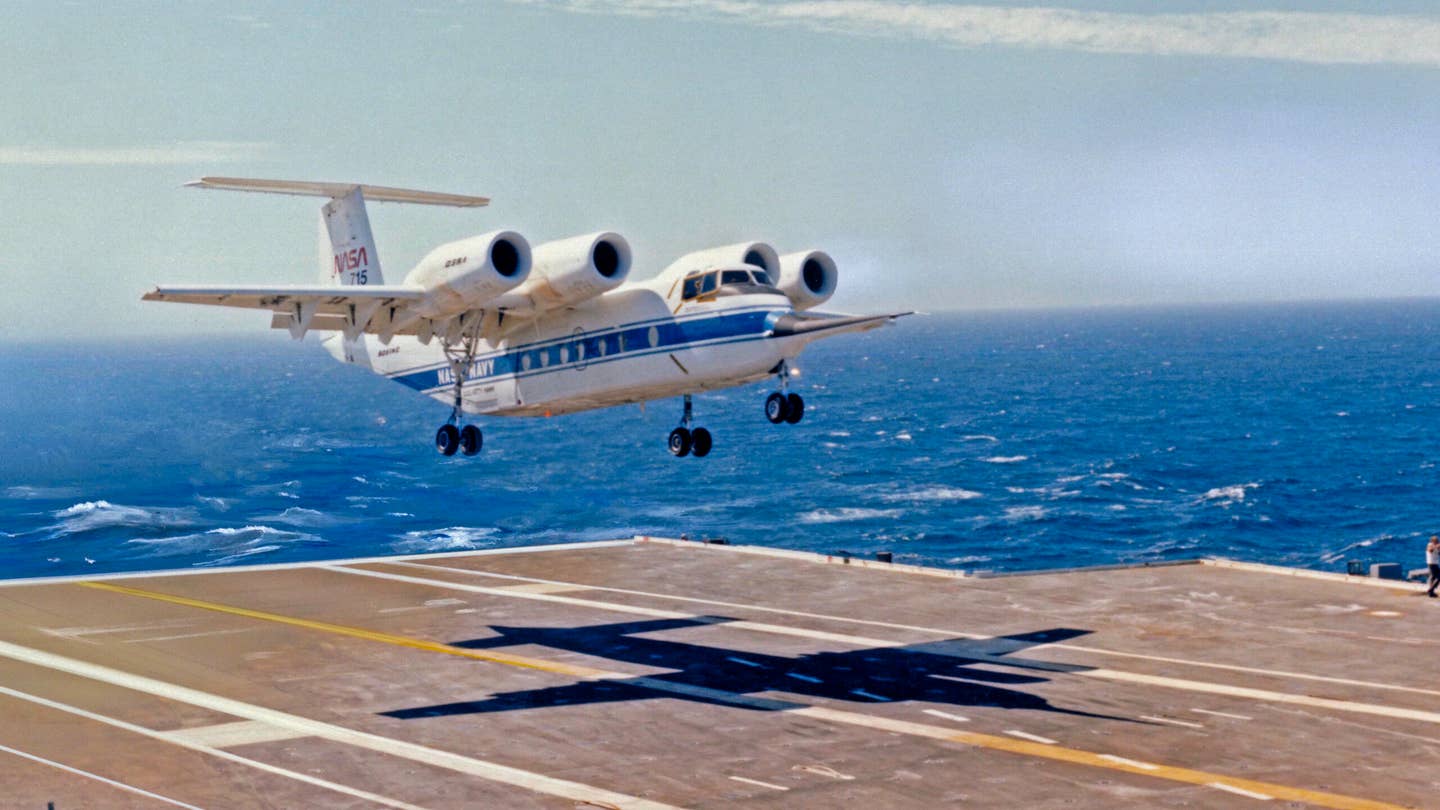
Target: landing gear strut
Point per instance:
(452, 437)
(684, 441)
(784, 406)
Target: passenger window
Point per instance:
(761, 277)
(735, 277)
(707, 283)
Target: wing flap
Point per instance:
(327, 300)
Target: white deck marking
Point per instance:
(97, 777)
(1152, 718)
(758, 783)
(742, 661)
(797, 676)
(1134, 763)
(214, 752)
(824, 770)
(539, 783)
(871, 695)
(862, 641)
(228, 735)
(933, 630)
(544, 587)
(1265, 695)
(1240, 791)
(947, 716)
(1223, 714)
(1036, 738)
(189, 635)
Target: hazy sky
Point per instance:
(949, 156)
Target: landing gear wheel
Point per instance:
(447, 440)
(701, 439)
(470, 440)
(680, 442)
(776, 408)
(794, 408)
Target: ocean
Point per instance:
(1298, 434)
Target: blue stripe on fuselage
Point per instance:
(671, 335)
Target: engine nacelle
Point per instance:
(469, 273)
(568, 271)
(758, 254)
(808, 278)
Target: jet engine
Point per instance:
(758, 254)
(469, 273)
(568, 271)
(808, 278)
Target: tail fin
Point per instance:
(350, 257)
(347, 248)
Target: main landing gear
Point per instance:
(783, 406)
(685, 441)
(451, 437)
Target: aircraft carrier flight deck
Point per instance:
(653, 673)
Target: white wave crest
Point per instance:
(226, 538)
(937, 493)
(1225, 496)
(979, 437)
(1016, 514)
(25, 492)
(453, 538)
(848, 513)
(93, 515)
(300, 516)
(1005, 459)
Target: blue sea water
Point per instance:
(1299, 434)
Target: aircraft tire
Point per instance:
(702, 442)
(471, 440)
(447, 440)
(775, 408)
(679, 442)
(794, 409)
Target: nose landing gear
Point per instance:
(684, 441)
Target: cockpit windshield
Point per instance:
(703, 284)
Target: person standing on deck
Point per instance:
(1432, 561)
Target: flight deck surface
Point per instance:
(653, 673)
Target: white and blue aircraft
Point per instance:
(493, 327)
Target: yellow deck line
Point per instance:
(987, 741)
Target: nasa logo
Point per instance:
(352, 259)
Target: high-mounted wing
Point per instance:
(378, 309)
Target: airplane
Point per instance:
(492, 326)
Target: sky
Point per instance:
(949, 156)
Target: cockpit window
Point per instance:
(692, 288)
(735, 277)
(707, 283)
(761, 277)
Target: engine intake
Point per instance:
(469, 273)
(808, 278)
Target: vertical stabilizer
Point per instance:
(350, 257)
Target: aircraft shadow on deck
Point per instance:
(955, 671)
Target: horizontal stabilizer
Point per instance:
(308, 188)
(817, 324)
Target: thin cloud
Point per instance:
(1278, 35)
(200, 152)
